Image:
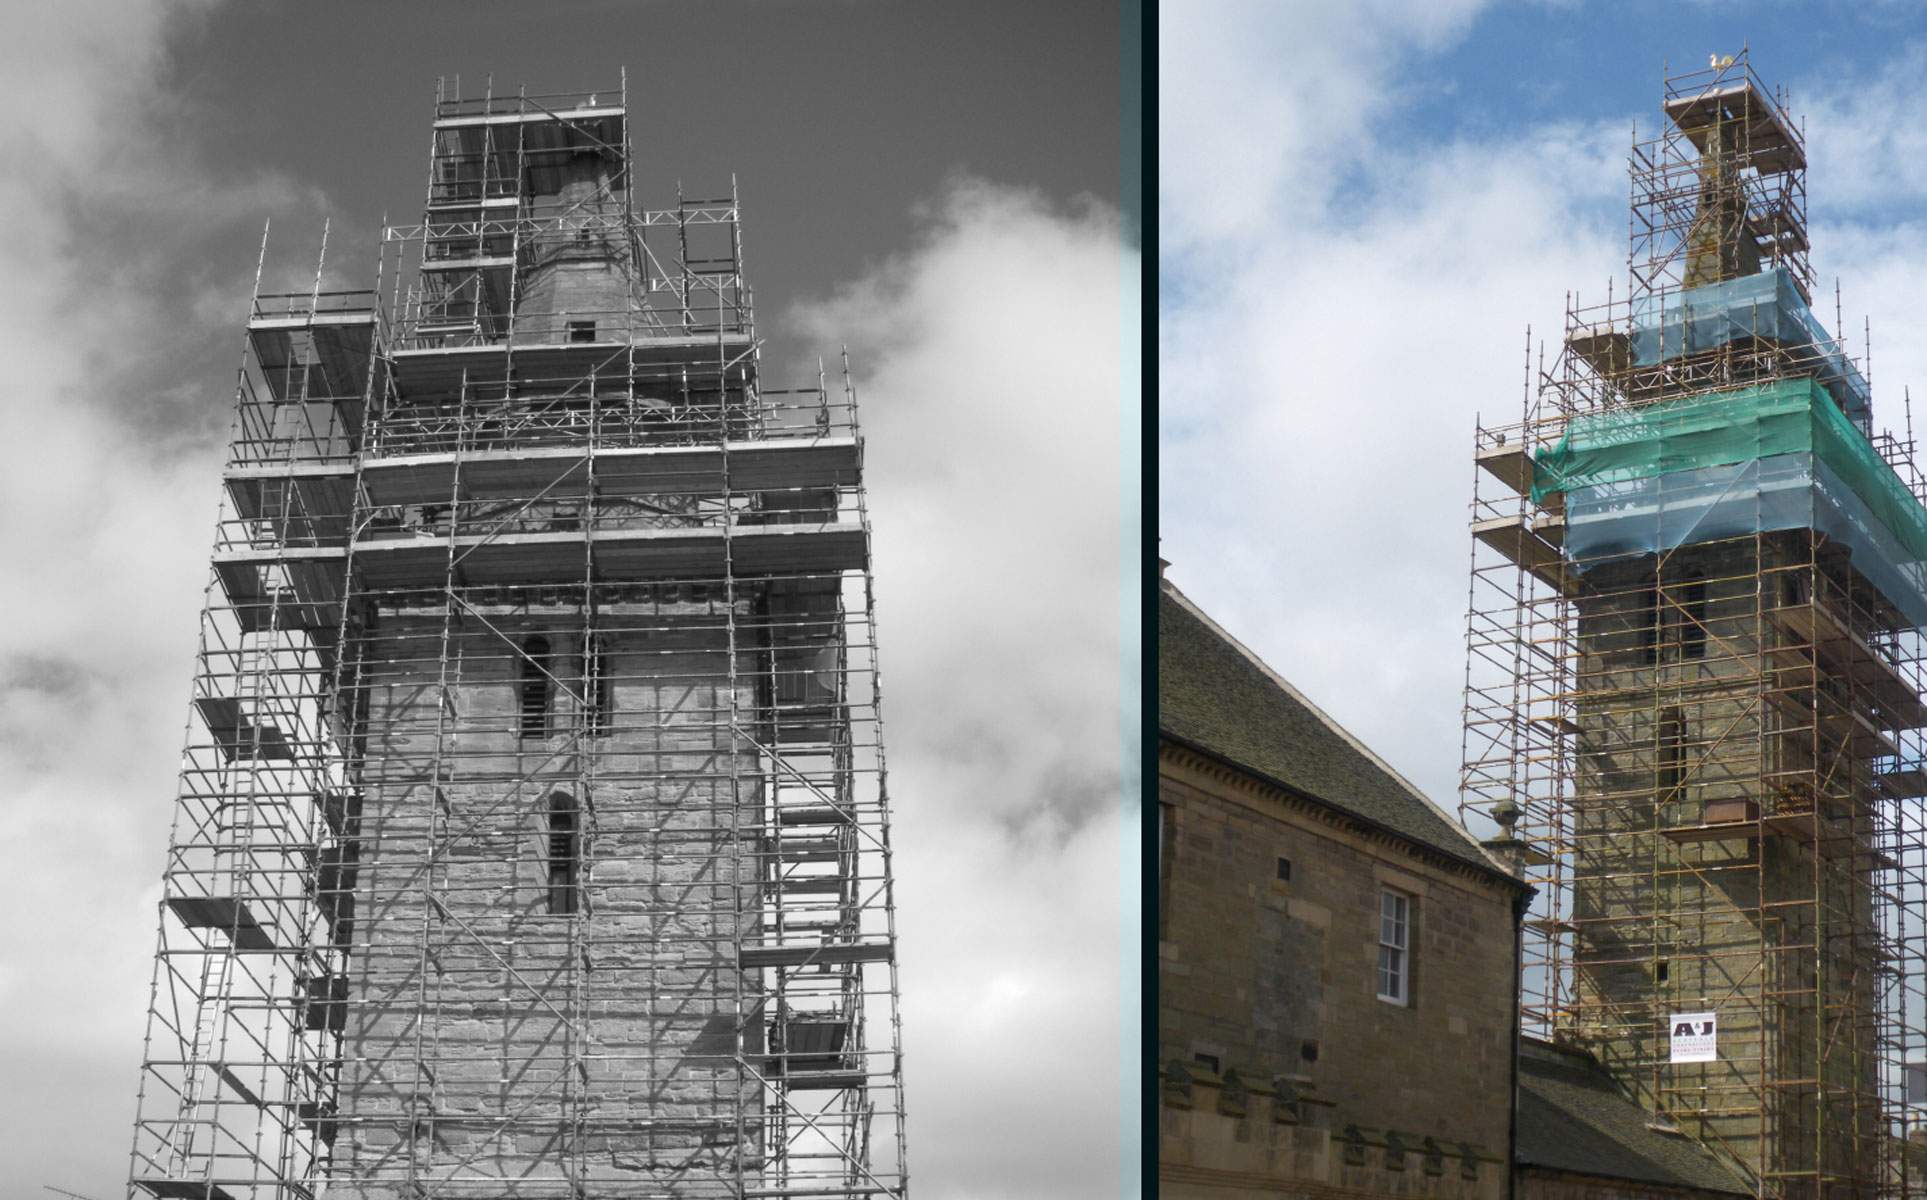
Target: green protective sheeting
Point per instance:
(1789, 416)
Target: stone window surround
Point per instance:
(1402, 906)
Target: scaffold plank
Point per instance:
(1531, 542)
(1895, 703)
(824, 1081)
(228, 914)
(812, 955)
(240, 735)
(1771, 145)
(803, 885)
(313, 573)
(301, 503)
(815, 816)
(1798, 826)
(700, 469)
(435, 371)
(1605, 348)
(840, 1192)
(538, 116)
(616, 554)
(1509, 464)
(315, 356)
(183, 1189)
(1850, 731)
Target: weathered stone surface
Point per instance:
(1674, 729)
(485, 1034)
(1257, 973)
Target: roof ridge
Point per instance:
(1284, 685)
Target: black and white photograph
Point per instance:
(571, 621)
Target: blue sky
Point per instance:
(1363, 208)
(1523, 62)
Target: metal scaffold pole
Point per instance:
(1693, 704)
(532, 836)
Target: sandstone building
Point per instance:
(1337, 974)
(1694, 692)
(532, 837)
(1335, 953)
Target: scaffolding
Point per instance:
(1694, 676)
(533, 836)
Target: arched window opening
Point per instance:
(565, 855)
(538, 688)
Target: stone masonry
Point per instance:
(1698, 711)
(460, 1028)
(1274, 980)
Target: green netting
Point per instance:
(1791, 416)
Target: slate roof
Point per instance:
(1573, 1117)
(1217, 696)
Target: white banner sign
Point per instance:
(1695, 1037)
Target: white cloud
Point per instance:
(1867, 186)
(1261, 105)
(1350, 299)
(106, 509)
(1320, 382)
(1317, 424)
(1864, 154)
(992, 363)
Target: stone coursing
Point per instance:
(496, 997)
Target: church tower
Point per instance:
(533, 835)
(1693, 702)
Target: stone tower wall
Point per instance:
(497, 997)
(1767, 931)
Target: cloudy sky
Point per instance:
(936, 185)
(1361, 209)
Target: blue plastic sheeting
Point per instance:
(1784, 491)
(1768, 306)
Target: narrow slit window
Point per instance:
(564, 855)
(595, 688)
(538, 688)
(1672, 753)
(1394, 942)
(1646, 620)
(1692, 632)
